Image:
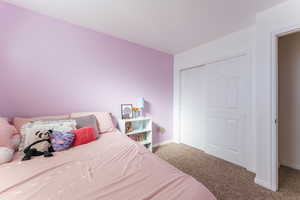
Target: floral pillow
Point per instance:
(61, 140)
(28, 130)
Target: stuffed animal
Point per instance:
(9, 140)
(61, 140)
(41, 145)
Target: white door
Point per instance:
(215, 108)
(193, 107)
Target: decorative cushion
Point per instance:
(19, 121)
(81, 122)
(8, 133)
(84, 136)
(61, 140)
(28, 130)
(86, 121)
(105, 123)
(9, 140)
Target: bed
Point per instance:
(110, 168)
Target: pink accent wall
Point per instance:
(50, 67)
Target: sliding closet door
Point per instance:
(215, 106)
(193, 107)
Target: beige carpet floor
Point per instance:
(225, 180)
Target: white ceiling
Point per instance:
(171, 26)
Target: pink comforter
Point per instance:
(111, 168)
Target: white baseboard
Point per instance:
(175, 141)
(163, 143)
(290, 164)
(250, 169)
(263, 183)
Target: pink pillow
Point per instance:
(105, 123)
(84, 136)
(19, 121)
(9, 139)
(8, 134)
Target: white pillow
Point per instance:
(28, 130)
(6, 155)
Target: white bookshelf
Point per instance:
(138, 129)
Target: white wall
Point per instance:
(232, 45)
(275, 20)
(289, 98)
(258, 41)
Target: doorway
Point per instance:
(289, 112)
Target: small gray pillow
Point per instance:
(87, 121)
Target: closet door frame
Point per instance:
(177, 96)
(274, 115)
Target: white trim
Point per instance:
(164, 143)
(253, 112)
(251, 169)
(262, 183)
(274, 113)
(176, 114)
(290, 165)
(274, 105)
(218, 59)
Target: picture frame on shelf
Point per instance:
(126, 111)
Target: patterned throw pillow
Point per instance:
(18, 122)
(61, 140)
(28, 130)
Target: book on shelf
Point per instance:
(138, 137)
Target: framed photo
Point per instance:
(126, 111)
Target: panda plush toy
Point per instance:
(40, 147)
